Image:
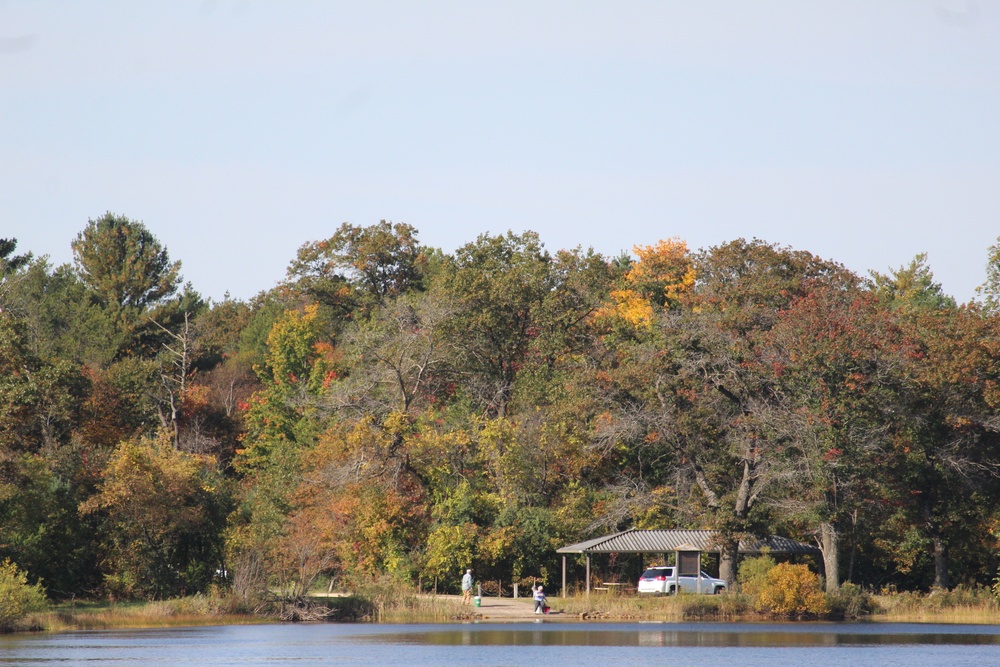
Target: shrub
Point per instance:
(18, 598)
(783, 589)
(850, 601)
(717, 607)
(960, 596)
(753, 574)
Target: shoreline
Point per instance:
(411, 608)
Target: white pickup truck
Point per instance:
(665, 580)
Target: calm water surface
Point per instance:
(520, 645)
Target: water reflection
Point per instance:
(494, 645)
(714, 635)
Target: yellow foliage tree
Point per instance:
(663, 273)
(660, 278)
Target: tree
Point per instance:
(10, 265)
(39, 402)
(9, 262)
(750, 281)
(951, 454)
(664, 272)
(298, 369)
(911, 286)
(17, 596)
(839, 365)
(740, 291)
(57, 310)
(497, 284)
(124, 264)
(360, 266)
(990, 289)
(162, 519)
(394, 359)
(39, 520)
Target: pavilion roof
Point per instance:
(663, 541)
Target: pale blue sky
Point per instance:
(864, 132)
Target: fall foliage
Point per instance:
(395, 411)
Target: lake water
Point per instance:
(520, 645)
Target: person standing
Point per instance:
(467, 587)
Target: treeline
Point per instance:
(391, 412)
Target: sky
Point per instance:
(864, 131)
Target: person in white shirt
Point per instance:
(467, 587)
(539, 599)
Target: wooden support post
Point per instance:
(564, 577)
(588, 575)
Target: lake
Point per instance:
(520, 644)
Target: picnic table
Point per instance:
(609, 586)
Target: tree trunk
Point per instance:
(829, 545)
(728, 555)
(940, 564)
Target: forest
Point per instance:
(392, 412)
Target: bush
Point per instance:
(960, 596)
(18, 598)
(753, 574)
(783, 589)
(715, 607)
(850, 601)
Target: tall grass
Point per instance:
(959, 605)
(386, 600)
(671, 608)
(194, 610)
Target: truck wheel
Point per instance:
(719, 589)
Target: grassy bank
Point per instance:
(103, 615)
(961, 605)
(401, 606)
(197, 610)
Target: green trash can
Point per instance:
(476, 601)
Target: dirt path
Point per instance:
(507, 609)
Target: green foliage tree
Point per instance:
(9, 262)
(41, 528)
(720, 433)
(911, 286)
(949, 458)
(989, 291)
(130, 276)
(497, 283)
(10, 266)
(124, 264)
(63, 320)
(359, 267)
(39, 402)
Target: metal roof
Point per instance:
(662, 541)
